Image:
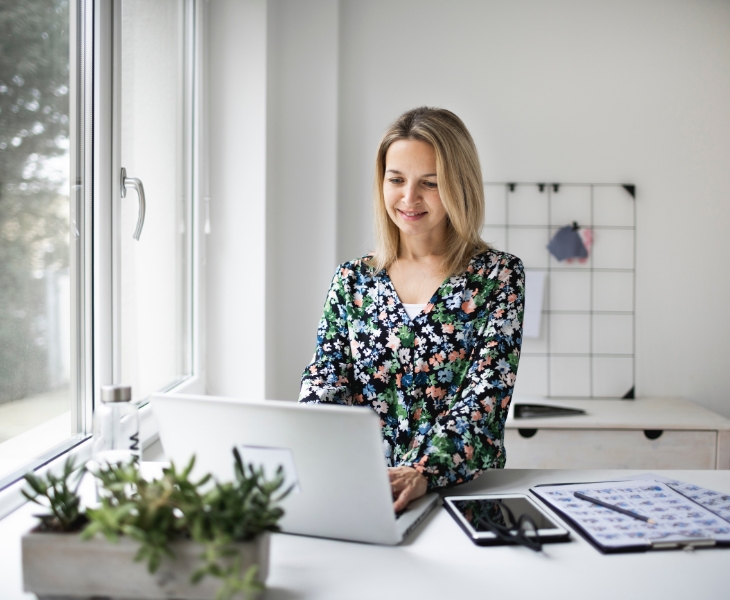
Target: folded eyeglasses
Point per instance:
(522, 530)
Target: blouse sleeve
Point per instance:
(468, 437)
(328, 377)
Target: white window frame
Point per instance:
(108, 355)
(96, 24)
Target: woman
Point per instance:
(427, 330)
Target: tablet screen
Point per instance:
(475, 510)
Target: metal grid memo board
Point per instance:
(586, 344)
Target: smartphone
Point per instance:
(470, 512)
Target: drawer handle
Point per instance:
(527, 433)
(653, 434)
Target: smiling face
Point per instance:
(411, 194)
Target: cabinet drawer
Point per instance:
(609, 449)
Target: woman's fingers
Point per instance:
(402, 499)
(407, 484)
(400, 483)
(398, 480)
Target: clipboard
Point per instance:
(682, 522)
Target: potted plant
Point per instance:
(200, 540)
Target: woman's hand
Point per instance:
(407, 484)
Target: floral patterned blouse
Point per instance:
(441, 383)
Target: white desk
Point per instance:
(646, 433)
(438, 561)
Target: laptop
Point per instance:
(332, 455)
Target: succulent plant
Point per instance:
(158, 511)
(60, 495)
(215, 514)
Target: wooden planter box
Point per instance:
(61, 565)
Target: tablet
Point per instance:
(467, 510)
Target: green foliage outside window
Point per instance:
(34, 207)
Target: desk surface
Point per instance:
(439, 561)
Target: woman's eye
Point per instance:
(431, 184)
(395, 180)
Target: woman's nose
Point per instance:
(410, 195)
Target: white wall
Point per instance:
(618, 91)
(567, 90)
(236, 245)
(302, 195)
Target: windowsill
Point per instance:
(43, 436)
(23, 450)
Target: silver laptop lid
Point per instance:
(344, 490)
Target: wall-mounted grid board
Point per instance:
(586, 343)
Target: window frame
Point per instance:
(108, 354)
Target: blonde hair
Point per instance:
(459, 183)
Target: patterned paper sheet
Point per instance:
(677, 517)
(717, 502)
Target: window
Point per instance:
(87, 88)
(36, 399)
(154, 316)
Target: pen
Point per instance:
(616, 508)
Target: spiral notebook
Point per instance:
(685, 514)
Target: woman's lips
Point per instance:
(411, 215)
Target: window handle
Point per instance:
(128, 183)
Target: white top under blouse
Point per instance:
(413, 310)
